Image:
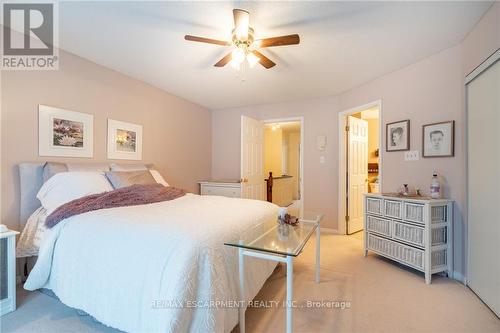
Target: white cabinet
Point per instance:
(416, 232)
(8, 271)
(230, 189)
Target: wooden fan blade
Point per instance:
(241, 23)
(206, 40)
(278, 41)
(223, 62)
(264, 61)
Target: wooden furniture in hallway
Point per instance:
(280, 190)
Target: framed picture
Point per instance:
(438, 139)
(397, 136)
(124, 140)
(64, 133)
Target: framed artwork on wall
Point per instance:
(124, 140)
(64, 133)
(397, 136)
(438, 139)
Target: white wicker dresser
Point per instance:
(414, 231)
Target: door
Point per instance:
(483, 122)
(252, 159)
(357, 172)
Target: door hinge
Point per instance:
(347, 128)
(347, 218)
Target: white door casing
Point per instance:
(357, 168)
(252, 161)
(483, 121)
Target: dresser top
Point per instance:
(413, 198)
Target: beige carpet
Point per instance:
(383, 297)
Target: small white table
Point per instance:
(8, 271)
(281, 243)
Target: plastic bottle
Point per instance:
(435, 187)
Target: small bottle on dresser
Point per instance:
(435, 187)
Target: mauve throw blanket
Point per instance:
(127, 196)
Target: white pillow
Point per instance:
(31, 237)
(67, 186)
(157, 176)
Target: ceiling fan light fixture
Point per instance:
(237, 56)
(252, 59)
(244, 46)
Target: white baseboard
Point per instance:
(459, 277)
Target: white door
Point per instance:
(357, 168)
(483, 109)
(252, 159)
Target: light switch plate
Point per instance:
(412, 155)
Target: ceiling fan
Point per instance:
(245, 47)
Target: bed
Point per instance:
(149, 268)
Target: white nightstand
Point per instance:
(225, 188)
(8, 271)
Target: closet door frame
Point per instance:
(485, 65)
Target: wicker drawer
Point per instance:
(379, 225)
(406, 254)
(409, 233)
(374, 206)
(439, 214)
(414, 212)
(439, 236)
(392, 208)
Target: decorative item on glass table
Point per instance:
(288, 219)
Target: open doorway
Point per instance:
(360, 163)
(276, 146)
(282, 164)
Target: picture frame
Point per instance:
(438, 139)
(124, 140)
(397, 136)
(64, 133)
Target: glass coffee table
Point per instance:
(277, 242)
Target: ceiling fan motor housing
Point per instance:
(239, 42)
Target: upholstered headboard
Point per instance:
(31, 179)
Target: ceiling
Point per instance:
(343, 44)
(287, 126)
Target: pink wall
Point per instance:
(483, 40)
(428, 91)
(320, 118)
(176, 137)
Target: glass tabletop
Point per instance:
(277, 238)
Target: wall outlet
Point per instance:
(322, 159)
(412, 155)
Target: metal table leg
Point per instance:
(242, 308)
(289, 293)
(318, 236)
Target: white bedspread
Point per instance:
(137, 268)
